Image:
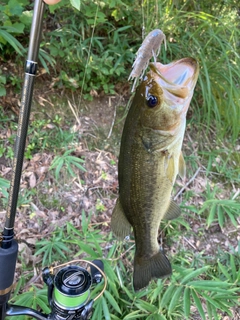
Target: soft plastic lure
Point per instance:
(150, 48)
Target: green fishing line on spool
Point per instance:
(72, 287)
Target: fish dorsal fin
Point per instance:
(182, 166)
(172, 212)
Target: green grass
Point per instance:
(94, 50)
(210, 287)
(211, 37)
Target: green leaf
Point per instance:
(194, 274)
(26, 17)
(96, 245)
(186, 302)
(134, 315)
(129, 293)
(157, 291)
(79, 166)
(112, 301)
(209, 309)
(76, 4)
(108, 269)
(224, 270)
(208, 284)
(12, 41)
(213, 302)
(105, 309)
(60, 252)
(220, 216)
(167, 296)
(43, 304)
(211, 215)
(19, 27)
(233, 267)
(15, 8)
(86, 248)
(198, 304)
(156, 317)
(59, 165)
(72, 229)
(146, 306)
(69, 169)
(84, 222)
(97, 314)
(175, 299)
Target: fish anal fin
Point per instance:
(172, 212)
(158, 266)
(119, 223)
(182, 166)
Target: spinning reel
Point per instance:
(69, 292)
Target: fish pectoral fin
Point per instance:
(119, 223)
(172, 212)
(158, 266)
(182, 166)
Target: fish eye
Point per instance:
(152, 101)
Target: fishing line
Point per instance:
(143, 20)
(88, 262)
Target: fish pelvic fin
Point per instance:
(172, 212)
(158, 266)
(182, 166)
(119, 223)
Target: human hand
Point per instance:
(51, 1)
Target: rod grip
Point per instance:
(8, 258)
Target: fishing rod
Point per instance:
(69, 288)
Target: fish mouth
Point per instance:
(177, 78)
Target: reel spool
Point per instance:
(69, 289)
(72, 287)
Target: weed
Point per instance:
(52, 248)
(2, 84)
(100, 206)
(96, 47)
(67, 161)
(33, 298)
(210, 288)
(4, 185)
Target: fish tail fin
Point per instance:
(158, 266)
(119, 223)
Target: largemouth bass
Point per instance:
(149, 161)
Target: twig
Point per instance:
(187, 184)
(113, 121)
(236, 194)
(190, 243)
(74, 113)
(122, 254)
